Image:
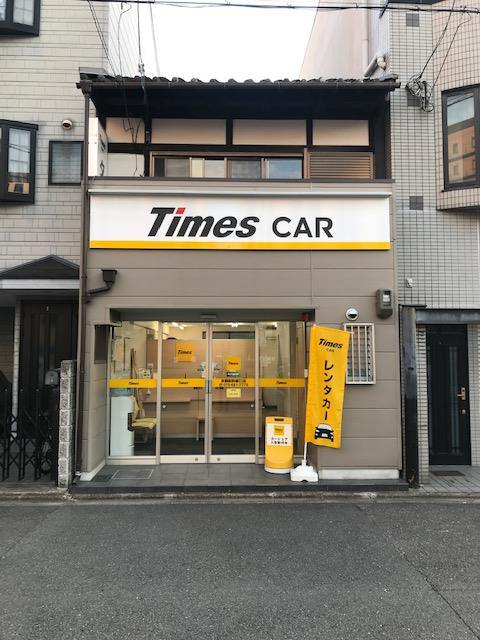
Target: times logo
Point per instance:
(171, 222)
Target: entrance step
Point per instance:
(215, 478)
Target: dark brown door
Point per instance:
(448, 395)
(48, 336)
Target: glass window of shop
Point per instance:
(133, 389)
(282, 362)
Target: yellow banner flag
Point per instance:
(326, 386)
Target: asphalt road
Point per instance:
(348, 571)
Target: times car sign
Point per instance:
(240, 222)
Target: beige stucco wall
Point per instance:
(188, 131)
(341, 132)
(282, 132)
(338, 46)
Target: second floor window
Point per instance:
(236, 168)
(17, 161)
(461, 131)
(20, 17)
(65, 162)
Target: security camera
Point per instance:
(351, 314)
(67, 124)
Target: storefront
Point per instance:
(202, 278)
(212, 384)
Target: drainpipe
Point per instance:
(109, 276)
(365, 39)
(410, 400)
(82, 297)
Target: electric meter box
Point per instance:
(278, 444)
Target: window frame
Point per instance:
(263, 157)
(50, 148)
(9, 27)
(451, 186)
(5, 195)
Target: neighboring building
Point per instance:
(264, 207)
(435, 165)
(42, 45)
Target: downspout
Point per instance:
(82, 297)
(365, 39)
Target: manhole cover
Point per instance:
(446, 472)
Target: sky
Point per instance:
(229, 42)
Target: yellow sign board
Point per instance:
(178, 383)
(233, 363)
(218, 383)
(282, 382)
(132, 383)
(184, 352)
(326, 386)
(278, 444)
(233, 383)
(233, 393)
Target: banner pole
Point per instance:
(305, 453)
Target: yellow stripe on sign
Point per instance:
(132, 383)
(178, 383)
(268, 383)
(276, 246)
(235, 383)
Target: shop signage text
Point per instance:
(240, 222)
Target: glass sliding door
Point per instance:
(281, 375)
(200, 392)
(133, 389)
(184, 374)
(233, 375)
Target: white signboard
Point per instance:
(239, 222)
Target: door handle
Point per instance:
(463, 394)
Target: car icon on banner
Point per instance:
(324, 432)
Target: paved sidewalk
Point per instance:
(452, 479)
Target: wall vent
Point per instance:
(361, 353)
(332, 165)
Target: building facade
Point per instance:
(42, 45)
(264, 207)
(434, 149)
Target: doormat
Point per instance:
(446, 472)
(103, 477)
(133, 474)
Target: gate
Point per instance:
(29, 439)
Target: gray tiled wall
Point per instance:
(38, 86)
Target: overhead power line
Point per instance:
(203, 4)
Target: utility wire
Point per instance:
(154, 38)
(193, 4)
(100, 34)
(442, 35)
(448, 50)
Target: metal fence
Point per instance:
(29, 439)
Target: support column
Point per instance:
(16, 356)
(66, 422)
